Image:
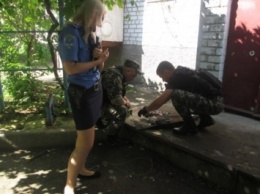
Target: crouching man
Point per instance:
(187, 91)
(116, 105)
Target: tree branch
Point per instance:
(51, 47)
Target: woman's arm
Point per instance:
(72, 67)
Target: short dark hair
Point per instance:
(164, 65)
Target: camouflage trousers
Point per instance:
(113, 117)
(187, 102)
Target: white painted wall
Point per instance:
(112, 27)
(170, 32)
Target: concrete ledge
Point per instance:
(26, 140)
(246, 183)
(41, 139)
(220, 174)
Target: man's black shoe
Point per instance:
(100, 124)
(205, 121)
(185, 129)
(189, 126)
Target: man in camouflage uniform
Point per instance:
(116, 105)
(187, 91)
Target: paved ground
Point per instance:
(125, 170)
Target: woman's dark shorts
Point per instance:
(85, 105)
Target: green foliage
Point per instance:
(71, 6)
(24, 28)
(22, 47)
(27, 92)
(25, 89)
(111, 3)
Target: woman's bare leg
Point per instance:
(76, 163)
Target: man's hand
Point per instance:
(127, 102)
(143, 112)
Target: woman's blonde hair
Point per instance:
(85, 14)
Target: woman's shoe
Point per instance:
(93, 176)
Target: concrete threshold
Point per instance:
(226, 175)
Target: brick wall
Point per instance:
(214, 22)
(133, 23)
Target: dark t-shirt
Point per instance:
(183, 79)
(187, 79)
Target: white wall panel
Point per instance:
(112, 28)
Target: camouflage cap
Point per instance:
(134, 65)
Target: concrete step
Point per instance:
(225, 154)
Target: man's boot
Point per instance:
(100, 124)
(189, 127)
(205, 121)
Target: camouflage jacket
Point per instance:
(114, 85)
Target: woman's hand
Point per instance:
(97, 52)
(103, 56)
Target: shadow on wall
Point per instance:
(118, 54)
(241, 80)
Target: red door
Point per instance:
(241, 79)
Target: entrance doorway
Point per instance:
(241, 79)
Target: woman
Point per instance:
(78, 49)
